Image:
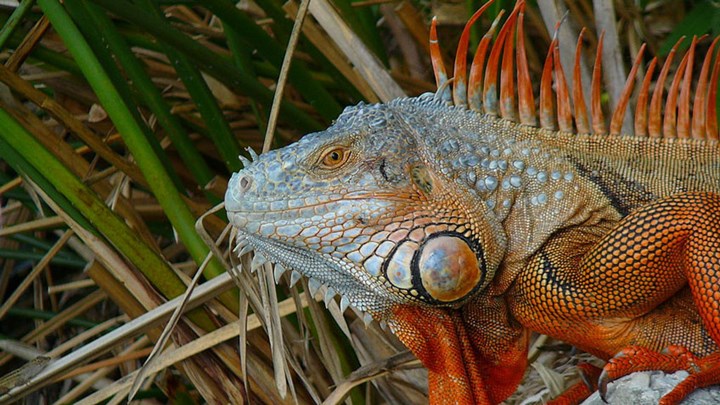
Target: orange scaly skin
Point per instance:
(465, 231)
(609, 296)
(450, 342)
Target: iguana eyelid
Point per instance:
(334, 157)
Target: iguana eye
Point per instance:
(334, 157)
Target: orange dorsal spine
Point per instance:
(547, 112)
(619, 114)
(490, 92)
(475, 83)
(641, 108)
(699, 105)
(526, 100)
(581, 119)
(711, 125)
(564, 114)
(460, 92)
(507, 79)
(670, 116)
(441, 77)
(598, 119)
(655, 116)
(683, 126)
(491, 86)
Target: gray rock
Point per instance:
(646, 388)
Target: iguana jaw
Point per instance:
(373, 266)
(331, 275)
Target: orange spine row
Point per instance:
(514, 102)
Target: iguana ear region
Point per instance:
(449, 269)
(445, 268)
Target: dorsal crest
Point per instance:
(657, 114)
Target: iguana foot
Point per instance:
(703, 371)
(582, 389)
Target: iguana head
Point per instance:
(362, 209)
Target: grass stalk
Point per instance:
(152, 168)
(146, 90)
(15, 19)
(215, 65)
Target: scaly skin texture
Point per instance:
(465, 232)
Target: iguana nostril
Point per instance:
(245, 183)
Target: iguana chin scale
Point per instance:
(465, 230)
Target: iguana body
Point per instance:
(465, 232)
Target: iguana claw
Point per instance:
(704, 371)
(602, 385)
(605, 378)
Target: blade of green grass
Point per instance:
(274, 52)
(84, 200)
(281, 25)
(43, 245)
(215, 65)
(28, 255)
(95, 20)
(217, 127)
(17, 145)
(47, 315)
(152, 168)
(243, 60)
(21, 165)
(99, 45)
(15, 18)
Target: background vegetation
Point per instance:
(120, 124)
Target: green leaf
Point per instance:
(153, 170)
(218, 67)
(95, 20)
(21, 165)
(700, 20)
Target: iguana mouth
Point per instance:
(326, 275)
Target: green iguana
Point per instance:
(465, 226)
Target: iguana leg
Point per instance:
(703, 371)
(652, 281)
(702, 267)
